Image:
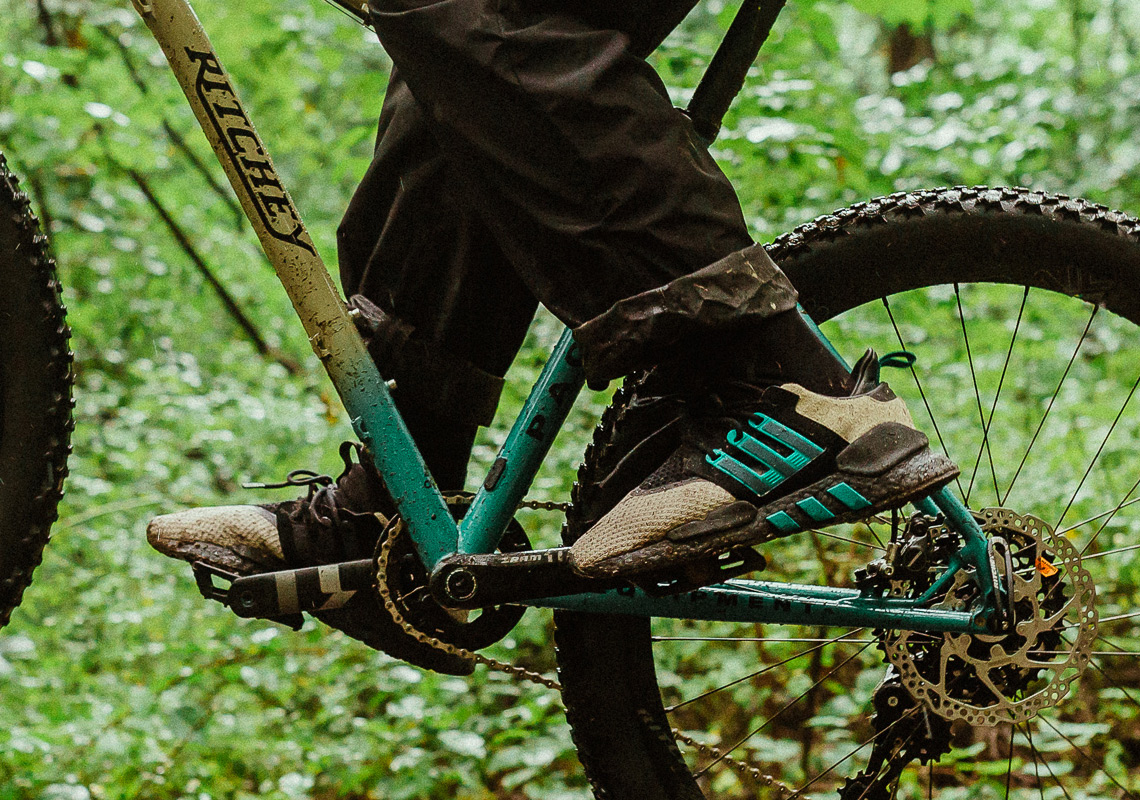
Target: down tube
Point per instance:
(283, 237)
(527, 444)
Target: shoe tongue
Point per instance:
(356, 491)
(865, 375)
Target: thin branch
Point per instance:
(180, 236)
(44, 17)
(223, 193)
(226, 194)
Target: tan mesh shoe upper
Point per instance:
(849, 417)
(645, 517)
(238, 528)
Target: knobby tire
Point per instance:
(852, 258)
(35, 393)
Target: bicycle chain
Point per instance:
(782, 791)
(431, 641)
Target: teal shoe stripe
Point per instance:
(783, 521)
(849, 497)
(815, 509)
(757, 483)
(749, 448)
(785, 465)
(785, 435)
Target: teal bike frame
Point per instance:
(336, 341)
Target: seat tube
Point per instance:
(527, 444)
(331, 331)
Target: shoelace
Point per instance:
(898, 359)
(322, 488)
(297, 477)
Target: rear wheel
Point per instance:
(35, 393)
(1023, 310)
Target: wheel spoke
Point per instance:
(1114, 512)
(836, 640)
(1116, 647)
(1112, 682)
(1119, 617)
(1036, 761)
(993, 407)
(1009, 764)
(1052, 400)
(800, 792)
(1080, 751)
(1048, 769)
(977, 395)
(768, 668)
(1101, 515)
(1095, 653)
(922, 394)
(879, 546)
(1096, 456)
(772, 718)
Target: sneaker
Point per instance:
(335, 522)
(757, 464)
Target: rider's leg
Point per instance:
(410, 245)
(618, 219)
(595, 187)
(609, 210)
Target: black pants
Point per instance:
(527, 153)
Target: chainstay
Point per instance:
(781, 790)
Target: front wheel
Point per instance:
(1023, 309)
(35, 393)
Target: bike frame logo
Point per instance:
(239, 140)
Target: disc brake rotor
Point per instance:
(987, 679)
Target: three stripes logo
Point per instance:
(765, 455)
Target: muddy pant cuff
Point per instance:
(736, 292)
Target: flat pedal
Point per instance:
(282, 596)
(697, 574)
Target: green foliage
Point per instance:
(118, 681)
(918, 14)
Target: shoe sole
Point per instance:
(917, 476)
(229, 559)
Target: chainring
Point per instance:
(405, 581)
(991, 679)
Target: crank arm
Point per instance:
(479, 581)
(282, 596)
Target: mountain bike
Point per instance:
(980, 643)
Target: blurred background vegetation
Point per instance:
(117, 680)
